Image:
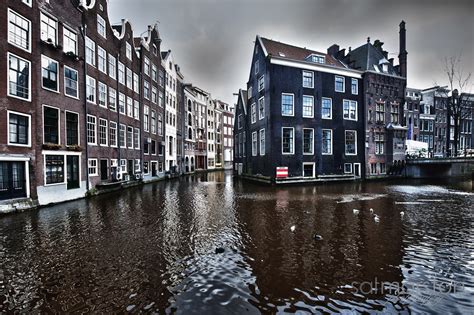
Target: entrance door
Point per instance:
(154, 169)
(104, 170)
(12, 180)
(72, 166)
(357, 170)
(130, 167)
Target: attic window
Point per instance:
(385, 67)
(281, 54)
(316, 59)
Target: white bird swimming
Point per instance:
(371, 210)
(376, 219)
(355, 211)
(402, 213)
(292, 228)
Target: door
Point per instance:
(104, 170)
(357, 170)
(72, 166)
(154, 169)
(130, 167)
(12, 180)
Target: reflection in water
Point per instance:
(153, 249)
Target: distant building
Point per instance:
(412, 113)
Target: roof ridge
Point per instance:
(294, 46)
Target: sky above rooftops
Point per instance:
(212, 40)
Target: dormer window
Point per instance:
(128, 51)
(385, 67)
(316, 58)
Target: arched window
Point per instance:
(190, 133)
(190, 120)
(190, 107)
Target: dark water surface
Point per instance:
(153, 249)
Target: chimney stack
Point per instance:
(402, 57)
(333, 50)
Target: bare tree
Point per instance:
(460, 102)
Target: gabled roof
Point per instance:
(243, 98)
(369, 58)
(164, 54)
(287, 51)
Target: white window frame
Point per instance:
(356, 86)
(101, 24)
(281, 101)
(87, 130)
(112, 64)
(253, 113)
(78, 126)
(355, 145)
(96, 167)
(312, 79)
(121, 73)
(293, 142)
(314, 169)
(27, 2)
(106, 99)
(343, 83)
(128, 51)
(312, 106)
(351, 169)
(351, 103)
(93, 52)
(326, 98)
(59, 121)
(95, 89)
(102, 66)
(261, 147)
(10, 11)
(57, 27)
(312, 142)
(106, 132)
(261, 100)
(113, 144)
(65, 28)
(261, 83)
(8, 129)
(57, 73)
(77, 82)
(9, 54)
(112, 91)
(332, 140)
(136, 138)
(254, 143)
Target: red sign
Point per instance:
(282, 172)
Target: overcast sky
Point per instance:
(212, 40)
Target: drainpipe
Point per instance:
(141, 89)
(83, 30)
(117, 106)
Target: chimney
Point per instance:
(341, 54)
(391, 61)
(402, 57)
(333, 50)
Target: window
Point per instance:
(123, 135)
(121, 73)
(146, 90)
(102, 95)
(136, 108)
(136, 83)
(91, 129)
(249, 93)
(355, 86)
(49, 74)
(308, 106)
(137, 165)
(256, 67)
(122, 103)
(69, 41)
(380, 112)
(394, 115)
(71, 83)
(160, 99)
(254, 143)
(146, 68)
(308, 141)
(54, 169)
(287, 104)
(129, 78)
(261, 83)
(112, 99)
(90, 51)
(160, 124)
(373, 168)
(351, 142)
(253, 113)
(50, 125)
(382, 168)
(308, 79)
(349, 109)
(327, 142)
(112, 66)
(103, 132)
(18, 77)
(308, 170)
(146, 111)
(72, 128)
(128, 51)
(262, 141)
(136, 138)
(123, 166)
(113, 134)
(101, 26)
(90, 89)
(92, 167)
(154, 95)
(49, 28)
(379, 142)
(161, 78)
(129, 107)
(154, 73)
(130, 137)
(339, 84)
(326, 108)
(153, 122)
(347, 168)
(261, 108)
(287, 140)
(18, 129)
(27, 2)
(101, 59)
(19, 31)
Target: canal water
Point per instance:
(209, 244)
